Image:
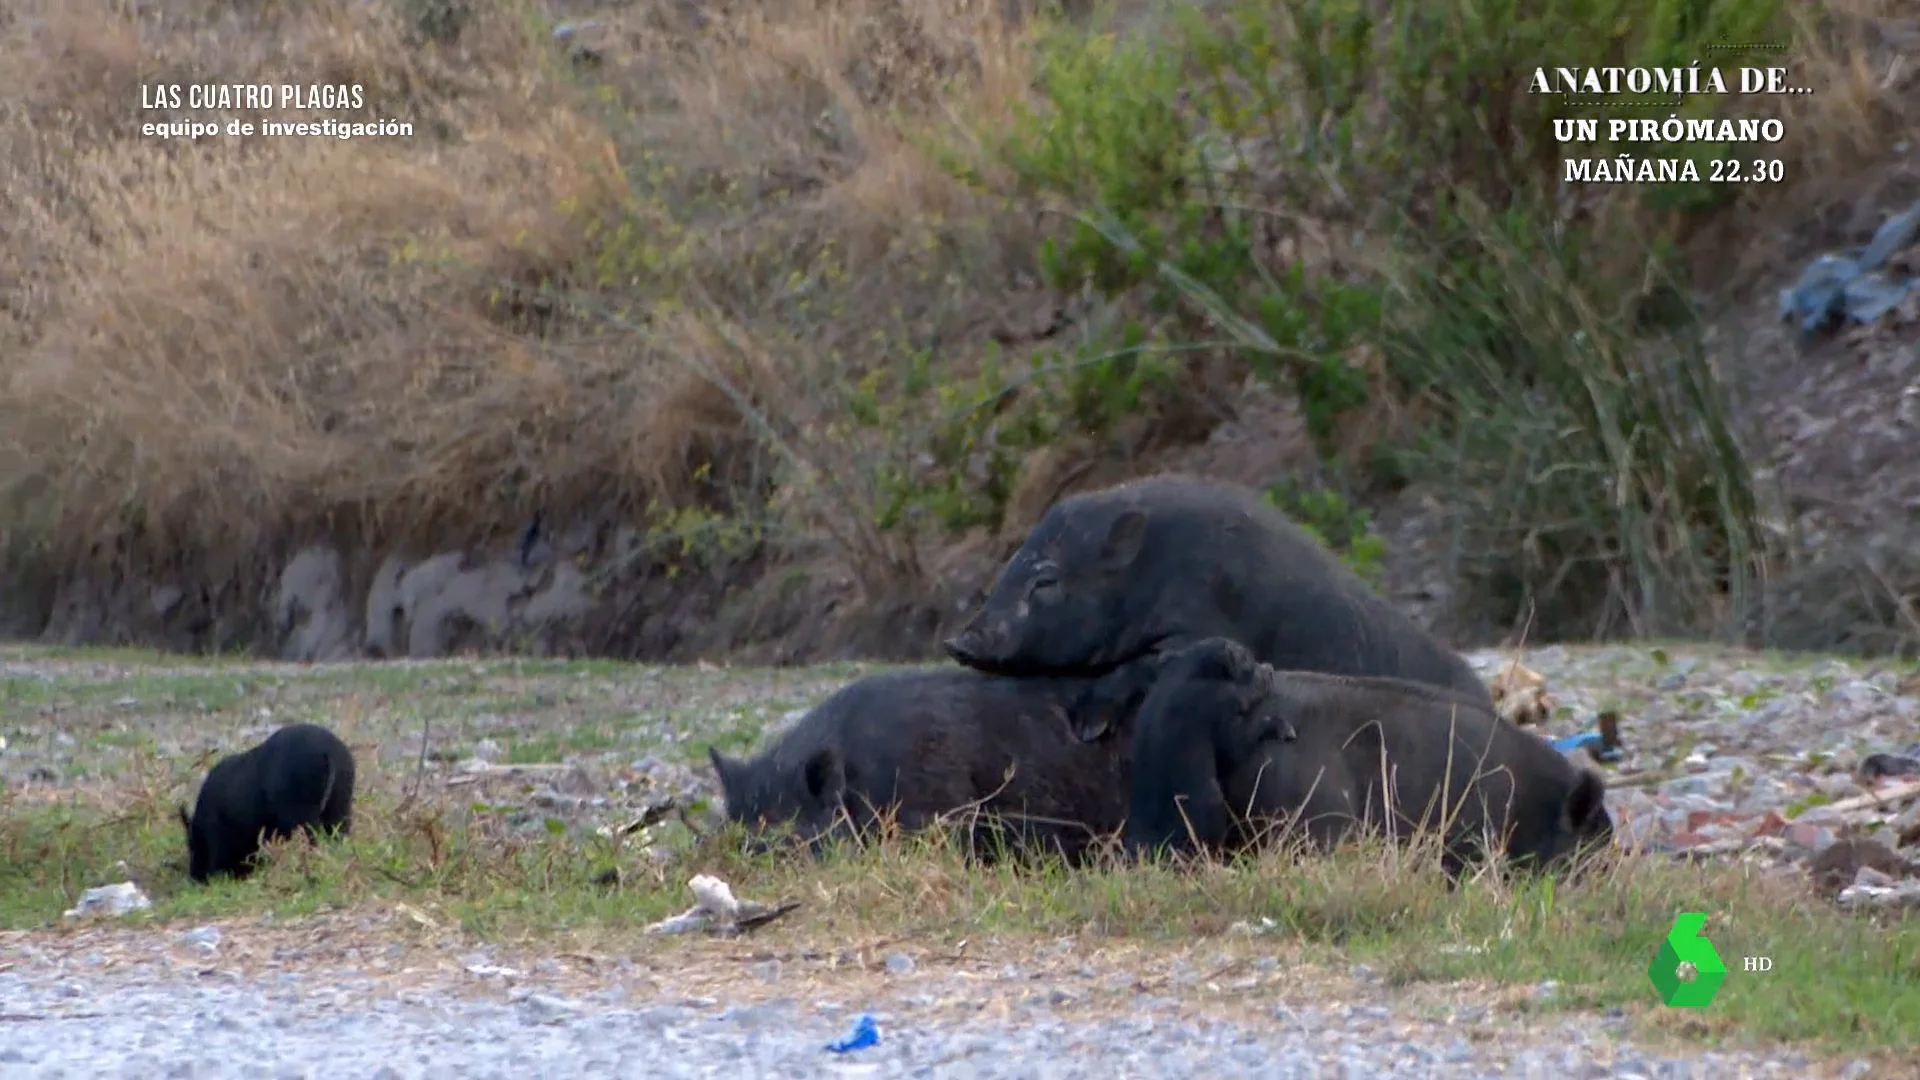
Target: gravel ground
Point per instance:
(66, 1018)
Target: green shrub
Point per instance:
(1592, 474)
(1339, 525)
(966, 436)
(1595, 477)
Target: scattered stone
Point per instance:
(1875, 889)
(647, 818)
(204, 938)
(538, 1008)
(899, 964)
(1735, 761)
(490, 971)
(1841, 864)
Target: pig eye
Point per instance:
(1276, 729)
(1045, 588)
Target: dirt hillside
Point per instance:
(766, 330)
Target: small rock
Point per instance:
(1815, 839)
(204, 938)
(1840, 865)
(1695, 785)
(1838, 785)
(538, 1008)
(899, 964)
(485, 970)
(1878, 879)
(580, 780)
(548, 799)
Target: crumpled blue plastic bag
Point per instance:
(864, 1033)
(1591, 741)
(1850, 286)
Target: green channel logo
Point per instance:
(1685, 944)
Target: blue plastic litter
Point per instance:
(864, 1033)
(1850, 286)
(1590, 741)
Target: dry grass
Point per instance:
(454, 865)
(653, 285)
(228, 341)
(441, 873)
(1856, 55)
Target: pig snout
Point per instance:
(968, 646)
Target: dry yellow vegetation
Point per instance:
(650, 281)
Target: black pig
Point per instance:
(1110, 576)
(299, 777)
(1225, 746)
(926, 743)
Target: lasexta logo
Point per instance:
(1685, 945)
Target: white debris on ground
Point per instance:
(718, 911)
(1871, 887)
(109, 901)
(1814, 767)
(1520, 695)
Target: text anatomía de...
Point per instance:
(251, 96)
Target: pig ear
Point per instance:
(826, 778)
(1107, 703)
(1093, 716)
(1217, 658)
(722, 765)
(1587, 802)
(1124, 539)
(1275, 729)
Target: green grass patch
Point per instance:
(1838, 981)
(499, 866)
